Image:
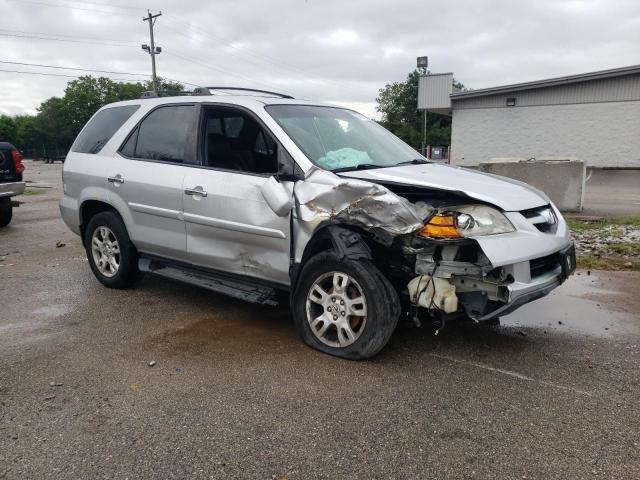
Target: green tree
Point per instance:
(398, 104)
(60, 119)
(7, 128)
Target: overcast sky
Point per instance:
(339, 51)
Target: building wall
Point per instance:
(604, 134)
(617, 89)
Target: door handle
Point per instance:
(198, 191)
(117, 179)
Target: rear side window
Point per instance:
(101, 128)
(162, 135)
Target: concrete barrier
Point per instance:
(561, 179)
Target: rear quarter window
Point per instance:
(101, 128)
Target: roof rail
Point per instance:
(207, 91)
(149, 94)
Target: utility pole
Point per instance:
(152, 49)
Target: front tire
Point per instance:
(345, 308)
(6, 211)
(112, 256)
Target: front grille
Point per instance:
(543, 218)
(542, 265)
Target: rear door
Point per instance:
(229, 225)
(146, 179)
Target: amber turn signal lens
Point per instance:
(441, 226)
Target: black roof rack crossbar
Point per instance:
(199, 91)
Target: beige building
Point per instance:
(594, 117)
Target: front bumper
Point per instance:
(522, 292)
(11, 189)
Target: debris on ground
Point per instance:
(60, 244)
(55, 384)
(152, 363)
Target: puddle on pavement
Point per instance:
(579, 306)
(258, 328)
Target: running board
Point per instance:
(219, 283)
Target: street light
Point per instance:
(422, 63)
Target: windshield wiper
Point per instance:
(415, 161)
(360, 166)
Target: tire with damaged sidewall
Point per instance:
(383, 307)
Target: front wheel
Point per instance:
(345, 308)
(6, 211)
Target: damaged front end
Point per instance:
(443, 251)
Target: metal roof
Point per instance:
(551, 82)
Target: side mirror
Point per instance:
(288, 169)
(279, 199)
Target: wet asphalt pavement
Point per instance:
(552, 393)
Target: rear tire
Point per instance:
(345, 308)
(6, 211)
(112, 256)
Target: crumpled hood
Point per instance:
(510, 195)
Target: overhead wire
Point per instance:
(73, 68)
(125, 43)
(57, 74)
(69, 40)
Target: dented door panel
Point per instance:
(232, 228)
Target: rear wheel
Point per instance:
(112, 256)
(6, 211)
(345, 308)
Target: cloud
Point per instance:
(327, 50)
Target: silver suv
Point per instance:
(248, 193)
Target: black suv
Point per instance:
(11, 183)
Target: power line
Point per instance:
(73, 7)
(35, 37)
(272, 61)
(130, 80)
(64, 35)
(57, 75)
(102, 4)
(72, 68)
(221, 70)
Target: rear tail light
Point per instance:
(17, 161)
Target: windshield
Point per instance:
(340, 139)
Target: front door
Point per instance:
(229, 225)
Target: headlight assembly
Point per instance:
(466, 221)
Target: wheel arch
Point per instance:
(345, 240)
(90, 208)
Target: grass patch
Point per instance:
(591, 262)
(580, 224)
(604, 243)
(30, 192)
